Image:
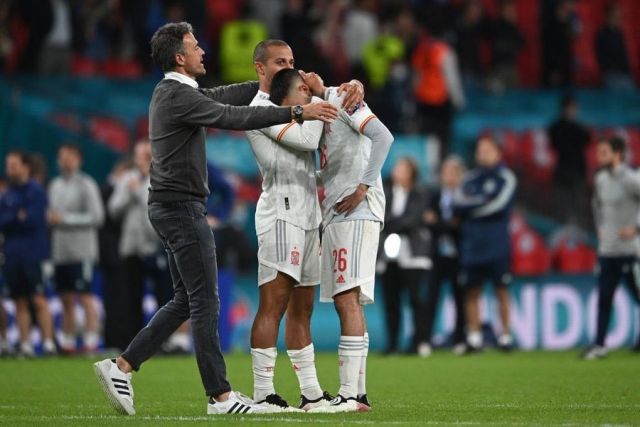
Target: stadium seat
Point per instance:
(83, 66)
(110, 132)
(574, 258)
(127, 69)
(530, 256)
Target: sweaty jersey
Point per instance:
(344, 156)
(285, 156)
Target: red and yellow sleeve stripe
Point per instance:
(284, 130)
(364, 123)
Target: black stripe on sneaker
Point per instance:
(240, 408)
(246, 409)
(116, 380)
(125, 393)
(121, 387)
(230, 411)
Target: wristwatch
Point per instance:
(297, 113)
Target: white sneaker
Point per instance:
(595, 352)
(274, 404)
(459, 349)
(341, 404)
(26, 350)
(308, 404)
(237, 403)
(116, 385)
(424, 350)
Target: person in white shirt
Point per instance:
(353, 150)
(287, 219)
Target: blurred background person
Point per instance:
(616, 209)
(405, 252)
(445, 229)
(438, 88)
(506, 43)
(569, 139)
(230, 242)
(470, 30)
(26, 246)
(140, 249)
(114, 286)
(484, 203)
(558, 31)
(611, 52)
(75, 214)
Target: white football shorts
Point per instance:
(290, 250)
(349, 250)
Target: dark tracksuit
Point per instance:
(26, 243)
(178, 115)
(484, 204)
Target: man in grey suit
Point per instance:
(178, 113)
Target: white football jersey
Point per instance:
(344, 156)
(286, 159)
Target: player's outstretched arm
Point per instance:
(235, 94)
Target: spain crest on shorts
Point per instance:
(295, 257)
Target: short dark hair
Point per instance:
(71, 147)
(24, 157)
(616, 143)
(260, 51)
(166, 43)
(413, 168)
(281, 84)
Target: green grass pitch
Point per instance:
(488, 389)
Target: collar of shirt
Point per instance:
(399, 200)
(263, 95)
(173, 75)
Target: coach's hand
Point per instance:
(354, 94)
(319, 111)
(349, 203)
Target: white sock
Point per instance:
(362, 377)
(48, 345)
(304, 365)
(264, 365)
(180, 340)
(350, 356)
(90, 339)
(67, 341)
(474, 338)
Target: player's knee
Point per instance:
(347, 302)
(274, 307)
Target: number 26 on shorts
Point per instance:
(339, 260)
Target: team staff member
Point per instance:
(75, 214)
(404, 264)
(178, 113)
(445, 228)
(616, 205)
(484, 203)
(23, 224)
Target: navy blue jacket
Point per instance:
(484, 203)
(221, 194)
(25, 238)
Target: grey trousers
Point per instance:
(188, 241)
